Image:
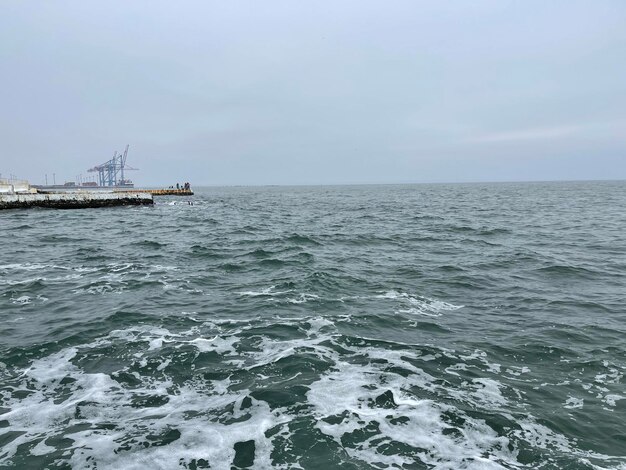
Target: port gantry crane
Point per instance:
(109, 171)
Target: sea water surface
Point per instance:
(468, 326)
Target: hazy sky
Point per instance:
(315, 92)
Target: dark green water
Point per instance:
(427, 326)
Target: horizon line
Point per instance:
(596, 180)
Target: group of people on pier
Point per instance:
(183, 186)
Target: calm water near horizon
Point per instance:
(447, 326)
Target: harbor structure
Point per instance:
(160, 192)
(15, 186)
(19, 194)
(110, 175)
(113, 188)
(75, 200)
(111, 172)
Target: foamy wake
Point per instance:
(162, 406)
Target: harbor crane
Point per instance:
(111, 173)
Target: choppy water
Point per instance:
(443, 326)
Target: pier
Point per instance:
(75, 200)
(158, 192)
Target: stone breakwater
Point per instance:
(74, 200)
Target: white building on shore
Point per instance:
(14, 186)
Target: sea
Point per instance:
(443, 326)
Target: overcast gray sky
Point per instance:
(315, 92)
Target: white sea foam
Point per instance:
(98, 398)
(302, 298)
(22, 300)
(351, 392)
(84, 269)
(160, 267)
(611, 399)
(42, 449)
(418, 305)
(267, 292)
(573, 403)
(29, 267)
(455, 367)
(155, 343)
(487, 392)
(374, 387)
(517, 371)
(217, 344)
(317, 323)
(203, 344)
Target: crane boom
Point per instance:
(109, 171)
